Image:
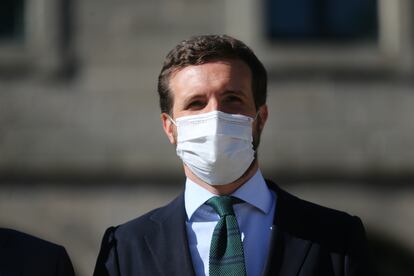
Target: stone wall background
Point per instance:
(82, 147)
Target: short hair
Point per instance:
(206, 48)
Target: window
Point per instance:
(33, 36)
(325, 35)
(321, 20)
(11, 20)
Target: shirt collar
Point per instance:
(254, 191)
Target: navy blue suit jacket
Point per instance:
(25, 255)
(307, 240)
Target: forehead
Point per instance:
(214, 75)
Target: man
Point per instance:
(25, 255)
(229, 220)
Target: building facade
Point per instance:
(79, 107)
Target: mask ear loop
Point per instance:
(171, 119)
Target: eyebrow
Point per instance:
(234, 92)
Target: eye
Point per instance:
(233, 99)
(195, 104)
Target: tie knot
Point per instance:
(223, 205)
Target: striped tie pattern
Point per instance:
(226, 251)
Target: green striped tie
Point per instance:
(226, 251)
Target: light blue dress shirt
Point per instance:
(255, 219)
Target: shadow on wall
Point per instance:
(389, 257)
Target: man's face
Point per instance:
(219, 85)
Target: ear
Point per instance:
(263, 114)
(169, 128)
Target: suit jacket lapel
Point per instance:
(291, 254)
(168, 242)
(287, 251)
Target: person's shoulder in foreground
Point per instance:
(308, 239)
(26, 255)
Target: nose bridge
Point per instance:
(214, 103)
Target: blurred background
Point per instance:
(81, 143)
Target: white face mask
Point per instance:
(216, 146)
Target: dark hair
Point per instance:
(203, 49)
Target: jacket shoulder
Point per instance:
(145, 223)
(330, 231)
(126, 242)
(314, 222)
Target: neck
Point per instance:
(226, 189)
